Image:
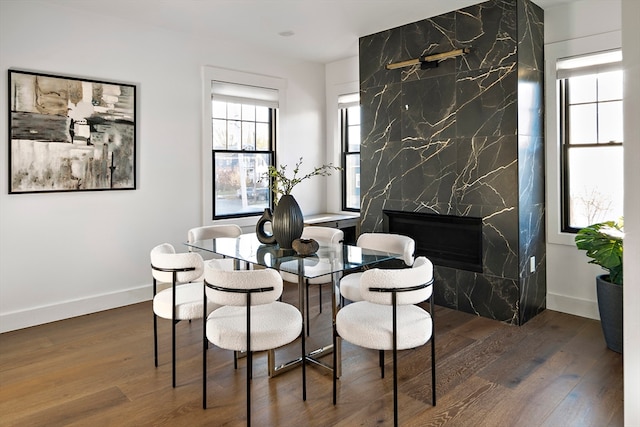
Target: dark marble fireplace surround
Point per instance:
(463, 139)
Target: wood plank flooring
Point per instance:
(97, 370)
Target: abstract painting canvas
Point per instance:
(70, 134)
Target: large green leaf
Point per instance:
(603, 243)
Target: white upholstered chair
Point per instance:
(326, 235)
(182, 300)
(389, 319)
(386, 242)
(250, 319)
(207, 232)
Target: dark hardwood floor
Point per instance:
(97, 370)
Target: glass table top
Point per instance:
(328, 259)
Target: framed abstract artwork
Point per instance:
(70, 134)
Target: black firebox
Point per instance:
(447, 240)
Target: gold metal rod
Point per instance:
(429, 58)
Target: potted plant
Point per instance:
(281, 184)
(603, 243)
(287, 221)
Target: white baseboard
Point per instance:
(572, 305)
(67, 309)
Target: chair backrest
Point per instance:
(215, 274)
(388, 242)
(213, 231)
(325, 235)
(164, 256)
(420, 273)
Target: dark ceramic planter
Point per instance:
(288, 221)
(610, 307)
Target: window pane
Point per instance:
(582, 89)
(248, 136)
(595, 185)
(239, 187)
(354, 115)
(262, 114)
(219, 129)
(354, 139)
(262, 136)
(610, 121)
(352, 176)
(219, 109)
(233, 135)
(234, 111)
(583, 122)
(248, 112)
(610, 86)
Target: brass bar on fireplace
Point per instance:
(428, 58)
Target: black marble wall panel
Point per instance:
(531, 160)
(464, 138)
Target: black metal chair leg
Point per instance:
(395, 361)
(249, 360)
(173, 329)
(205, 347)
(335, 363)
(155, 339)
(155, 327)
(381, 362)
(249, 375)
(173, 353)
(433, 373)
(433, 355)
(320, 297)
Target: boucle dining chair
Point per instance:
(386, 242)
(207, 232)
(389, 318)
(182, 300)
(325, 235)
(250, 318)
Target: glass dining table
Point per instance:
(329, 259)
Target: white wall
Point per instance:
(570, 280)
(67, 254)
(631, 60)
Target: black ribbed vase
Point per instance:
(288, 221)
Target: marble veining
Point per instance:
(464, 138)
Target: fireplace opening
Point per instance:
(447, 240)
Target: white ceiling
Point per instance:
(323, 30)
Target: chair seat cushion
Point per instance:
(370, 325)
(272, 325)
(189, 297)
(350, 286)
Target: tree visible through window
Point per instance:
(591, 124)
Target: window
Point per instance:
(243, 122)
(591, 133)
(350, 135)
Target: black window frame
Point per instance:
(565, 147)
(271, 152)
(344, 138)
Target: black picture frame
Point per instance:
(70, 134)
